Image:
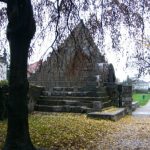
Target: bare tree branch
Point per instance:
(5, 1)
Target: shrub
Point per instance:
(141, 98)
(3, 83)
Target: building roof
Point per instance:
(32, 68)
(81, 40)
(78, 47)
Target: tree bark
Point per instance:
(20, 30)
(18, 131)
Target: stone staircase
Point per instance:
(92, 100)
(77, 100)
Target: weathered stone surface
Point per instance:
(97, 105)
(114, 115)
(126, 91)
(77, 71)
(34, 94)
(74, 64)
(126, 97)
(66, 108)
(58, 89)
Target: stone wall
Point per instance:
(126, 97)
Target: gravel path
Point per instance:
(130, 133)
(143, 111)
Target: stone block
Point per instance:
(58, 89)
(34, 94)
(91, 78)
(71, 89)
(114, 116)
(97, 105)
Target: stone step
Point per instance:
(102, 88)
(101, 94)
(79, 94)
(113, 115)
(91, 84)
(94, 88)
(107, 104)
(66, 108)
(104, 98)
(60, 89)
(46, 93)
(94, 79)
(89, 88)
(64, 102)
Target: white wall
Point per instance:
(141, 86)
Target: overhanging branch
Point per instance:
(5, 1)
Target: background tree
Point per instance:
(142, 61)
(105, 19)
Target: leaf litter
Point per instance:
(68, 131)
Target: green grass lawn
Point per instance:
(142, 99)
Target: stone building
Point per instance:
(141, 85)
(76, 63)
(77, 78)
(32, 68)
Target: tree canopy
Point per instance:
(116, 20)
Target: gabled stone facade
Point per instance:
(76, 63)
(78, 79)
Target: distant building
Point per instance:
(32, 68)
(141, 85)
(3, 67)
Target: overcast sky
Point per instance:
(118, 59)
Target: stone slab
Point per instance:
(65, 108)
(114, 116)
(103, 98)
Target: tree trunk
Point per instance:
(20, 31)
(18, 131)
